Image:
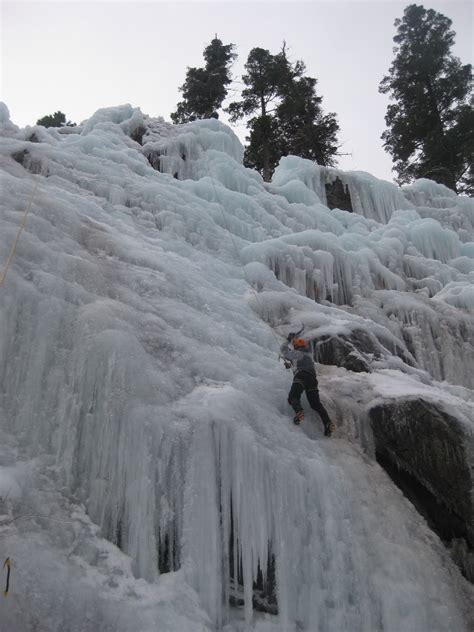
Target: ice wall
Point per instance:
(370, 197)
(140, 385)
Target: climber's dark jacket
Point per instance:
(304, 379)
(301, 360)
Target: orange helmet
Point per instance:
(299, 342)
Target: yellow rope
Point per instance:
(22, 226)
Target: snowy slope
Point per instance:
(149, 472)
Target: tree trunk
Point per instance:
(265, 143)
(444, 174)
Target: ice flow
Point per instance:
(142, 406)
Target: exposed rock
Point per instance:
(264, 588)
(341, 351)
(463, 555)
(169, 552)
(264, 597)
(137, 134)
(31, 164)
(428, 454)
(20, 156)
(354, 351)
(357, 350)
(154, 159)
(338, 196)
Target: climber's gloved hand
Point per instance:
(287, 364)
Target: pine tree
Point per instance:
(264, 81)
(205, 89)
(289, 118)
(431, 123)
(303, 128)
(58, 119)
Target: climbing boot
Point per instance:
(299, 417)
(329, 429)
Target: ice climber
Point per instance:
(304, 379)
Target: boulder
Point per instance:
(357, 350)
(428, 452)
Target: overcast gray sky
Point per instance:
(80, 56)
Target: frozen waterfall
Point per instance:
(150, 476)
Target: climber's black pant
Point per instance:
(304, 381)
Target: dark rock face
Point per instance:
(154, 159)
(428, 454)
(31, 164)
(341, 351)
(137, 134)
(264, 589)
(20, 156)
(264, 597)
(169, 552)
(356, 351)
(353, 352)
(338, 196)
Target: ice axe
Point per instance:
(295, 334)
(291, 336)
